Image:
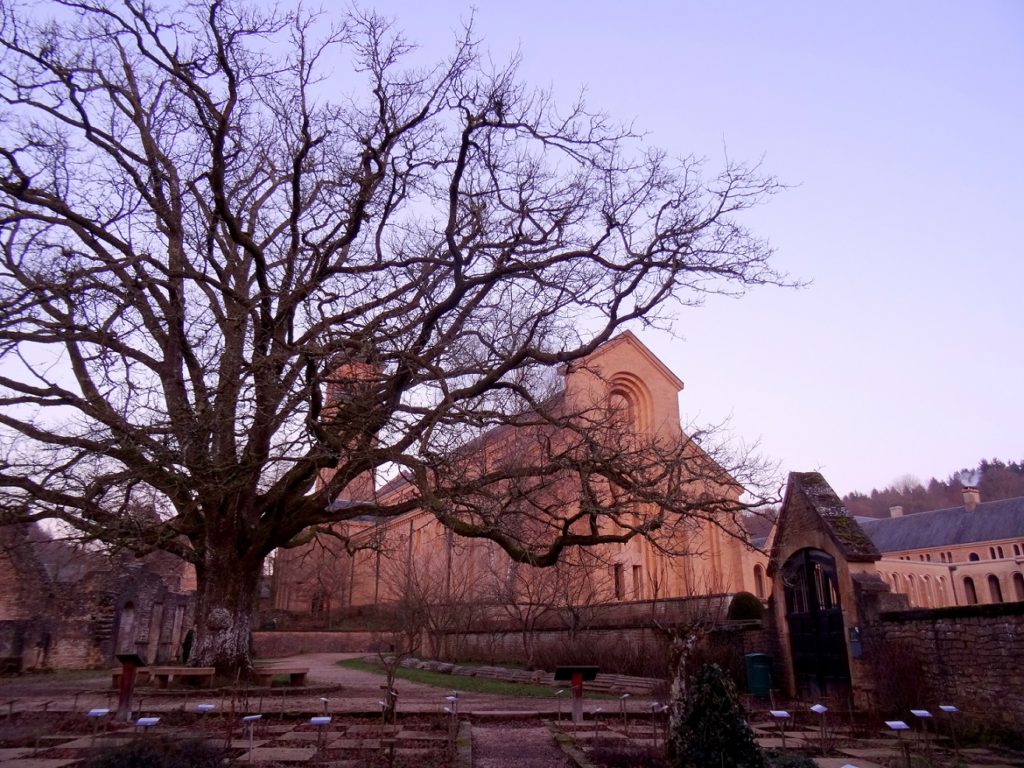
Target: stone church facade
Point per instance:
(415, 551)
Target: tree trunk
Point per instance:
(226, 602)
(527, 636)
(679, 655)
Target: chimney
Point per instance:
(896, 511)
(972, 498)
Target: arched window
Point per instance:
(1016, 550)
(992, 553)
(970, 593)
(974, 557)
(999, 551)
(926, 592)
(943, 600)
(912, 589)
(1018, 586)
(630, 402)
(994, 589)
(623, 408)
(759, 581)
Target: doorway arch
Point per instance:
(814, 616)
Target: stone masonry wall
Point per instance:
(632, 650)
(601, 646)
(276, 644)
(73, 647)
(62, 608)
(971, 656)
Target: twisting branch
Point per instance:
(234, 290)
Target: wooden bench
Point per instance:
(162, 676)
(266, 675)
(141, 676)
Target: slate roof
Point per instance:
(990, 521)
(857, 546)
(342, 504)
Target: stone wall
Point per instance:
(970, 656)
(73, 646)
(63, 607)
(624, 648)
(553, 648)
(148, 618)
(275, 644)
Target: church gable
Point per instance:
(812, 515)
(628, 373)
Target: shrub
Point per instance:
(788, 760)
(648, 658)
(160, 752)
(745, 607)
(718, 648)
(713, 730)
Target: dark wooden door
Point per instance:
(817, 635)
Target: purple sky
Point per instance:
(901, 127)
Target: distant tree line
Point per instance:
(997, 480)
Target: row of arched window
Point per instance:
(995, 589)
(995, 552)
(927, 592)
(923, 591)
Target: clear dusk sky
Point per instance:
(900, 126)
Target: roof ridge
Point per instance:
(1002, 520)
(909, 515)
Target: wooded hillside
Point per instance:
(998, 480)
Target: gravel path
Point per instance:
(512, 747)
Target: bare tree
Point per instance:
(431, 589)
(326, 578)
(701, 611)
(523, 595)
(393, 648)
(582, 585)
(202, 237)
